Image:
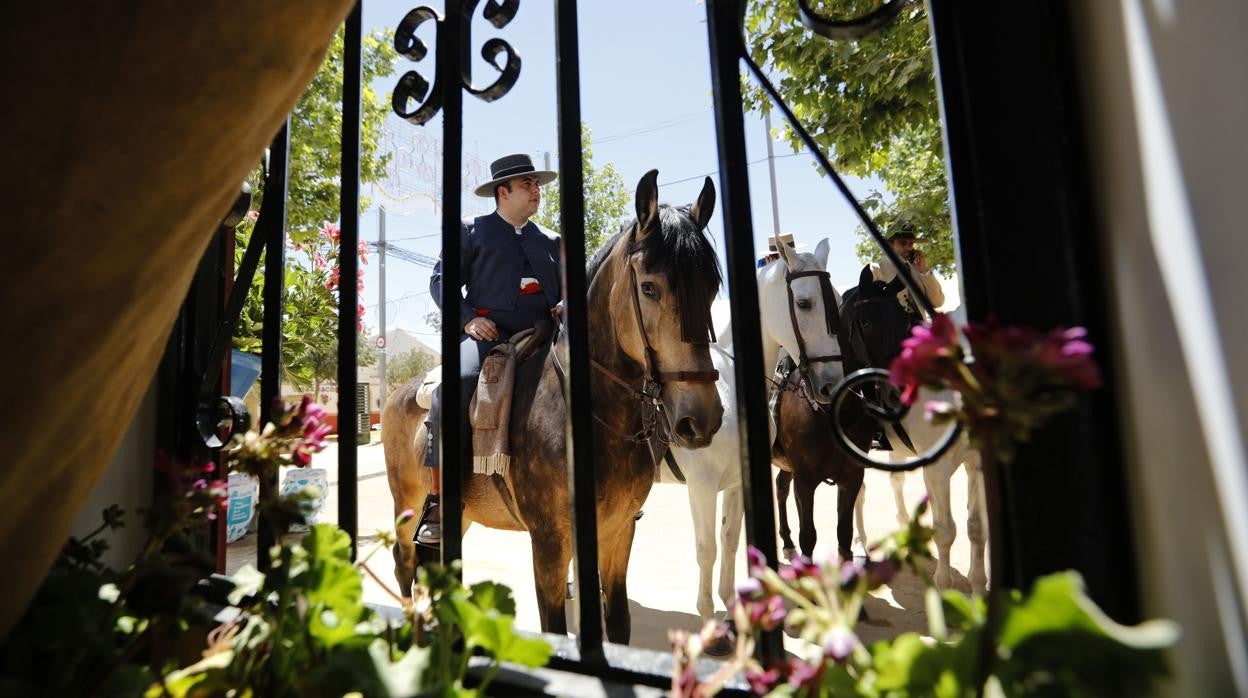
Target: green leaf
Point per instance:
(332, 585)
(962, 612)
(492, 595)
(531, 652)
(1058, 634)
(913, 665)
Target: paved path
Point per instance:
(662, 573)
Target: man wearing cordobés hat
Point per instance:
(511, 281)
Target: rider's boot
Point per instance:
(429, 530)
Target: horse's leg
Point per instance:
(613, 565)
(702, 507)
(404, 551)
(898, 480)
(552, 553)
(734, 515)
(976, 522)
(846, 495)
(804, 495)
(936, 476)
(409, 481)
(859, 504)
(783, 481)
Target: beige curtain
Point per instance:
(126, 130)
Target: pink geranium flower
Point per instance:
(922, 355)
(331, 231)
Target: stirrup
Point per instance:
(429, 533)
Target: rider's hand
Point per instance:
(919, 261)
(481, 328)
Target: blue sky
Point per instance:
(646, 95)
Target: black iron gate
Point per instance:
(958, 80)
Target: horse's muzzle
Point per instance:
(694, 428)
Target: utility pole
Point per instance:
(771, 169)
(546, 159)
(381, 305)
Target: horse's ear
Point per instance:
(647, 203)
(821, 253)
(788, 254)
(865, 279)
(705, 205)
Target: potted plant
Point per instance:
(299, 629)
(1050, 641)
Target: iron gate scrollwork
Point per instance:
(418, 100)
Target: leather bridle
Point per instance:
(832, 318)
(650, 393)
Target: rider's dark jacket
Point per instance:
(492, 259)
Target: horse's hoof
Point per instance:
(721, 647)
(790, 553)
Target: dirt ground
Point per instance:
(662, 580)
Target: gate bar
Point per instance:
(272, 225)
(582, 485)
(452, 53)
(723, 25)
(348, 292)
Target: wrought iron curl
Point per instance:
(853, 385)
(850, 29)
(509, 71)
(856, 28)
(412, 86)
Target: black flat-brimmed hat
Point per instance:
(903, 230)
(510, 167)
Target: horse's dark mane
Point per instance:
(682, 254)
(686, 258)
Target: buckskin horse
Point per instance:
(650, 292)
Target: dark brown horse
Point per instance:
(650, 293)
(805, 450)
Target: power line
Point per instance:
(713, 172)
(650, 128)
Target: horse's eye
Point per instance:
(649, 290)
(804, 304)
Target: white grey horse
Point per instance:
(717, 468)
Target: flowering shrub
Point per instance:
(1018, 377)
(1053, 641)
(300, 628)
(310, 307)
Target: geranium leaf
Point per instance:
(487, 595)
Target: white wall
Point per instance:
(127, 483)
(1166, 102)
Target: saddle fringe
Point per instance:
(493, 464)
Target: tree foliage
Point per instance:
(606, 199)
(408, 366)
(310, 312)
(870, 104)
(316, 137)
